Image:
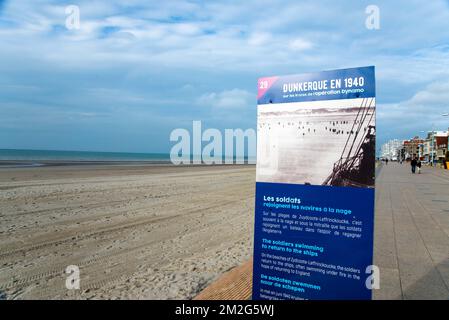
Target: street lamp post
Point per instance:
(445, 114)
(431, 145)
(423, 153)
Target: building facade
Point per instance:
(413, 148)
(441, 145)
(390, 149)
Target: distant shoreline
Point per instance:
(11, 164)
(19, 158)
(59, 163)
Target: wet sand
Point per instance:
(134, 231)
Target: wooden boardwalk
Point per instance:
(235, 284)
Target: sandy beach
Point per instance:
(134, 231)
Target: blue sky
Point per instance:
(136, 70)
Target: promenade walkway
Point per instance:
(411, 240)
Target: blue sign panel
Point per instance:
(314, 210)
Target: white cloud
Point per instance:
(260, 38)
(299, 44)
(422, 112)
(235, 98)
(435, 96)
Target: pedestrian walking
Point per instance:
(413, 164)
(418, 165)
